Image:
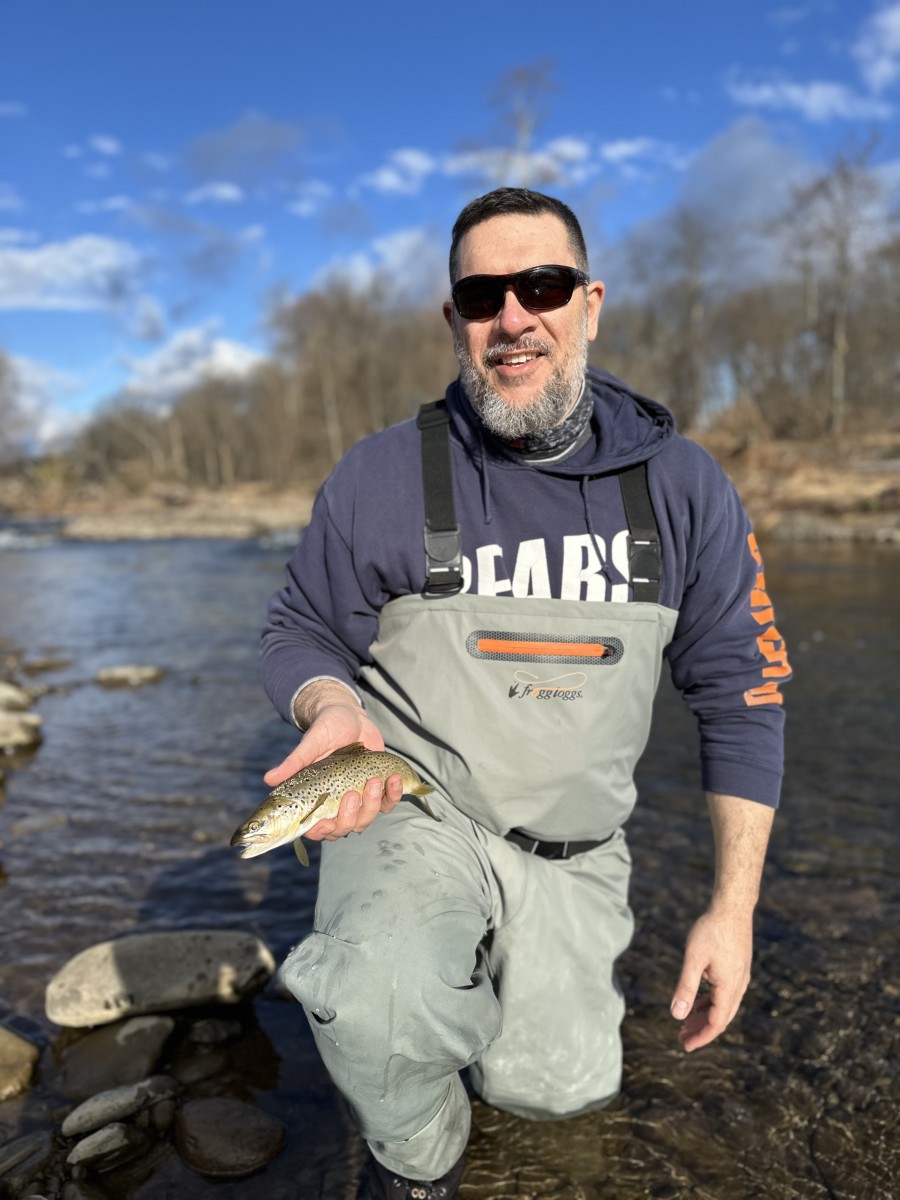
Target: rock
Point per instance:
(19, 730)
(107, 1148)
(23, 1159)
(117, 1104)
(129, 676)
(12, 698)
(157, 972)
(114, 1057)
(17, 1059)
(212, 1031)
(79, 1190)
(202, 1064)
(41, 822)
(226, 1138)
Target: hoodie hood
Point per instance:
(627, 428)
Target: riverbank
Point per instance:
(828, 490)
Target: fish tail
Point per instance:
(417, 796)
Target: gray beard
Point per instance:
(546, 410)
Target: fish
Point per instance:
(315, 793)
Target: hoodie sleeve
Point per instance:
(728, 658)
(320, 624)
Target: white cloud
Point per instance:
(103, 144)
(10, 200)
(877, 50)
(40, 390)
(561, 161)
(12, 108)
(412, 261)
(99, 170)
(816, 101)
(218, 192)
(157, 162)
(403, 173)
(310, 196)
(82, 274)
(16, 237)
(111, 204)
(187, 359)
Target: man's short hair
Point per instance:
(510, 201)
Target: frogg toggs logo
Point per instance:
(573, 650)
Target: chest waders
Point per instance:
(489, 940)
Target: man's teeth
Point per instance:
(513, 360)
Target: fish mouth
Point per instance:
(250, 845)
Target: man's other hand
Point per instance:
(714, 976)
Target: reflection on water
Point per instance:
(122, 820)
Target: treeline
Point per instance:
(787, 331)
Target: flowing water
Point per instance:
(121, 822)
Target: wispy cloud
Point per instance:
(877, 50)
(112, 204)
(10, 200)
(562, 160)
(97, 170)
(17, 237)
(217, 192)
(84, 273)
(310, 197)
(102, 143)
(403, 173)
(12, 108)
(817, 101)
(190, 357)
(413, 261)
(41, 389)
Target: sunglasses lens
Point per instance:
(545, 288)
(539, 289)
(479, 296)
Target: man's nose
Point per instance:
(513, 317)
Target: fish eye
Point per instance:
(253, 827)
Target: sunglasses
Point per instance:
(539, 289)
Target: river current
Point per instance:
(121, 820)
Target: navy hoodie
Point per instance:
(555, 530)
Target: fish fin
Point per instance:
(414, 796)
(353, 748)
(300, 851)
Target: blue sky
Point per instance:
(167, 168)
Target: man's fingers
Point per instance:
(393, 793)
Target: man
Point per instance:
(515, 669)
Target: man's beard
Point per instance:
(546, 409)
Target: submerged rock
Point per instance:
(23, 1159)
(114, 1057)
(226, 1138)
(12, 698)
(108, 1148)
(19, 730)
(17, 1059)
(117, 1104)
(129, 676)
(157, 972)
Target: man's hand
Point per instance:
(718, 953)
(333, 718)
(720, 945)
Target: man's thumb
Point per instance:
(686, 991)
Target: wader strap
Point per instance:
(644, 554)
(553, 849)
(443, 541)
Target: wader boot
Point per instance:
(378, 1183)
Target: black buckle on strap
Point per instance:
(644, 560)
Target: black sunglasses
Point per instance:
(539, 289)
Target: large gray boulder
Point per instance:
(157, 972)
(114, 1056)
(13, 698)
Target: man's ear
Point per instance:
(448, 312)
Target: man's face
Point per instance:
(512, 396)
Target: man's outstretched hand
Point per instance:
(714, 976)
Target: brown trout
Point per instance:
(315, 792)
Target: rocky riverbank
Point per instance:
(829, 490)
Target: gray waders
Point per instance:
(487, 940)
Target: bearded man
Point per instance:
(499, 618)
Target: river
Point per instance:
(121, 822)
